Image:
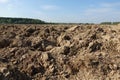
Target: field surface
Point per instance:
(59, 52)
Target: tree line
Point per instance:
(110, 23)
(6, 20)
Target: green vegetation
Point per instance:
(5, 20)
(8, 20)
(110, 23)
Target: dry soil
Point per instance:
(59, 52)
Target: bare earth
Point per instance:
(59, 52)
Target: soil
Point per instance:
(59, 52)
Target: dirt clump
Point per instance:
(59, 52)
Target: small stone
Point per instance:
(51, 68)
(3, 69)
(44, 56)
(49, 47)
(15, 62)
(115, 66)
(73, 28)
(13, 50)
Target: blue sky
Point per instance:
(79, 11)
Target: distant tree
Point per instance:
(5, 20)
(106, 23)
(110, 23)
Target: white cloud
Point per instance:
(4, 1)
(103, 8)
(49, 7)
(98, 10)
(110, 4)
(9, 6)
(103, 12)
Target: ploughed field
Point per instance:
(59, 52)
